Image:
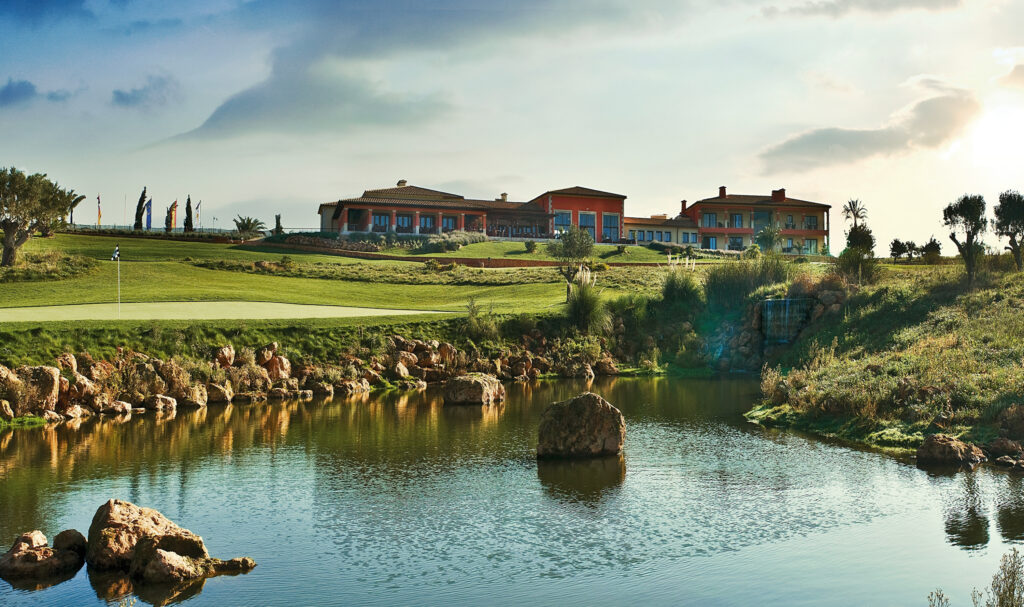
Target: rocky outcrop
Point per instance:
(585, 426)
(225, 356)
(6, 411)
(219, 393)
(116, 527)
(192, 396)
(1003, 447)
(474, 389)
(352, 386)
(31, 558)
(68, 362)
(161, 402)
(266, 353)
(941, 449)
(278, 368)
(42, 385)
(606, 366)
(177, 557)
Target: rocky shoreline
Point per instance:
(77, 387)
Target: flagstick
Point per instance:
(119, 286)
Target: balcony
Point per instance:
(403, 230)
(380, 228)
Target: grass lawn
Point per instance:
(195, 310)
(517, 250)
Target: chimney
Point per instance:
(779, 195)
(682, 207)
(721, 191)
(402, 182)
(504, 196)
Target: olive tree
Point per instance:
(1009, 223)
(29, 203)
(967, 216)
(897, 248)
(571, 250)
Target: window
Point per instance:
(693, 237)
(811, 246)
(381, 221)
(710, 242)
(789, 243)
(735, 243)
(790, 224)
(810, 223)
(427, 221)
(588, 222)
(404, 221)
(657, 236)
(737, 220)
(447, 223)
(650, 235)
(684, 237)
(563, 219)
(710, 220)
(610, 227)
(632, 234)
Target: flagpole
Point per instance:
(119, 283)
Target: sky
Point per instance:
(260, 107)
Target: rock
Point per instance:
(277, 393)
(585, 426)
(68, 361)
(323, 389)
(278, 368)
(474, 389)
(943, 449)
(30, 557)
(52, 417)
(250, 397)
(352, 386)
(447, 353)
(44, 384)
(266, 353)
(835, 308)
(408, 359)
(1005, 460)
(116, 528)
(138, 410)
(73, 412)
(160, 402)
(606, 366)
(6, 412)
(192, 396)
(218, 393)
(411, 383)
(302, 394)
(399, 371)
(402, 344)
(1004, 446)
(426, 358)
(372, 377)
(225, 356)
(175, 558)
(541, 364)
(116, 407)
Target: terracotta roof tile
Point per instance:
(749, 199)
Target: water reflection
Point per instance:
(113, 586)
(41, 583)
(966, 523)
(1010, 509)
(581, 480)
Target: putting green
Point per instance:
(198, 310)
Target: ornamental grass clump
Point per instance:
(586, 310)
(728, 285)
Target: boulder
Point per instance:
(1005, 460)
(100, 370)
(411, 383)
(161, 402)
(278, 393)
(606, 366)
(278, 368)
(117, 526)
(266, 353)
(74, 411)
(1004, 446)
(225, 356)
(541, 364)
(116, 407)
(192, 396)
(11, 385)
(31, 558)
(219, 393)
(352, 386)
(372, 377)
(250, 397)
(43, 384)
(473, 389)
(585, 426)
(942, 449)
(447, 353)
(399, 371)
(408, 359)
(52, 417)
(6, 411)
(178, 557)
(426, 358)
(68, 361)
(323, 389)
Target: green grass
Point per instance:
(912, 355)
(29, 421)
(517, 250)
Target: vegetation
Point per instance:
(187, 227)
(248, 226)
(571, 250)
(728, 285)
(854, 210)
(48, 265)
(1005, 590)
(140, 209)
(530, 246)
(967, 216)
(586, 309)
(769, 238)
(1009, 223)
(29, 203)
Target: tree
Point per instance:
(1009, 223)
(931, 251)
(967, 216)
(769, 238)
(911, 249)
(248, 226)
(854, 210)
(140, 210)
(278, 230)
(63, 199)
(897, 248)
(861, 237)
(169, 220)
(571, 250)
(28, 203)
(188, 214)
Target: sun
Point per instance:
(997, 139)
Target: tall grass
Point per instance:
(728, 285)
(586, 310)
(682, 293)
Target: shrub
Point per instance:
(451, 241)
(752, 252)
(857, 266)
(480, 327)
(586, 310)
(531, 246)
(728, 285)
(600, 267)
(682, 291)
(801, 259)
(621, 249)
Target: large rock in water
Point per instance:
(31, 558)
(117, 526)
(585, 426)
(941, 449)
(473, 389)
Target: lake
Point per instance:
(396, 499)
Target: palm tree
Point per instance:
(769, 238)
(854, 209)
(247, 226)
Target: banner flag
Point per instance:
(149, 214)
(99, 211)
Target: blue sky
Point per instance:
(268, 106)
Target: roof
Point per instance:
(578, 190)
(416, 196)
(749, 199)
(409, 191)
(674, 222)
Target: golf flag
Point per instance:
(198, 220)
(174, 215)
(117, 253)
(99, 211)
(149, 214)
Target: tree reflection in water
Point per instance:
(1010, 509)
(966, 521)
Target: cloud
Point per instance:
(298, 96)
(839, 8)
(928, 123)
(17, 92)
(1013, 79)
(158, 90)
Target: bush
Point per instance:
(621, 249)
(752, 252)
(451, 241)
(531, 246)
(586, 310)
(600, 267)
(728, 285)
(801, 259)
(480, 327)
(682, 291)
(857, 266)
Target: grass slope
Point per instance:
(517, 250)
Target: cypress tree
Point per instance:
(140, 208)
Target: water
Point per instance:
(782, 319)
(398, 500)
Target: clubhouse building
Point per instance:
(723, 222)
